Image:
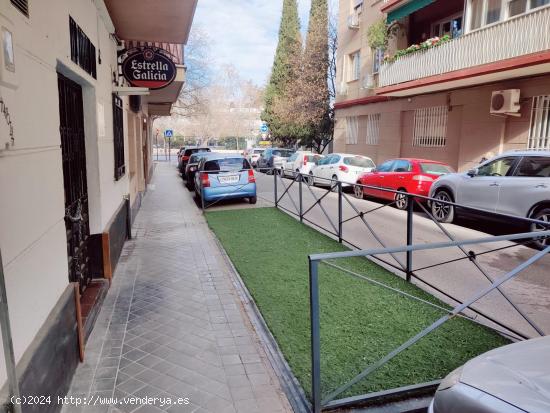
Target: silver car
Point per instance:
(514, 183)
(509, 379)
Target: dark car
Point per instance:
(191, 168)
(185, 155)
(273, 158)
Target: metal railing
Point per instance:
(462, 308)
(329, 401)
(518, 36)
(336, 228)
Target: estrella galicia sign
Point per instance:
(148, 67)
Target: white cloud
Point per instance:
(244, 32)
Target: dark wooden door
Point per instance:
(73, 152)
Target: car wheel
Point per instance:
(541, 215)
(401, 200)
(358, 192)
(443, 212)
(253, 200)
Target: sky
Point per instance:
(244, 33)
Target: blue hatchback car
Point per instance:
(225, 176)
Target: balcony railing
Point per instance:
(516, 37)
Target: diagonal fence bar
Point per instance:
(480, 268)
(455, 312)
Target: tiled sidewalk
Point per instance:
(172, 325)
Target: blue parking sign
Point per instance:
(263, 128)
(168, 133)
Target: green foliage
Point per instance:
(377, 35)
(360, 322)
(288, 50)
(428, 44)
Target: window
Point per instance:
(352, 130)
(516, 7)
(476, 11)
(373, 128)
(451, 26)
(435, 168)
(118, 137)
(226, 165)
(539, 3)
(82, 49)
(359, 161)
(493, 11)
(378, 58)
(534, 166)
(22, 6)
(539, 129)
(430, 127)
(401, 165)
(385, 167)
(498, 167)
(355, 66)
(293, 157)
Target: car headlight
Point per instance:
(451, 379)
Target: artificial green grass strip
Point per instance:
(360, 322)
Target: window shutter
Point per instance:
(22, 6)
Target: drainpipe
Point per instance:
(9, 357)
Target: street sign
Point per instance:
(168, 133)
(263, 128)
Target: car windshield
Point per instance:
(258, 151)
(226, 165)
(359, 161)
(314, 158)
(435, 168)
(195, 158)
(282, 152)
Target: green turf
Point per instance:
(359, 321)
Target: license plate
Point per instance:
(230, 179)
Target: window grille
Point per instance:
(118, 137)
(373, 128)
(22, 6)
(352, 130)
(82, 49)
(539, 128)
(430, 127)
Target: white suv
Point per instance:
(342, 167)
(301, 162)
(514, 183)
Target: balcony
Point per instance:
(449, 64)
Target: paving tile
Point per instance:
(166, 332)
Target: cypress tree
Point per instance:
(289, 49)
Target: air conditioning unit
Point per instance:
(353, 20)
(343, 89)
(505, 102)
(368, 82)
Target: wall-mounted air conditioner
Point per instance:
(505, 102)
(368, 82)
(353, 20)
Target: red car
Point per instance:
(414, 176)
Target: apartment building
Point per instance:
(459, 80)
(75, 160)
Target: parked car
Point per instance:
(413, 176)
(225, 176)
(186, 154)
(273, 158)
(179, 153)
(509, 379)
(340, 167)
(253, 155)
(514, 183)
(191, 168)
(300, 162)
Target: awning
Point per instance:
(407, 9)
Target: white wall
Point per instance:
(32, 229)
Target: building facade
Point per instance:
(75, 160)
(458, 80)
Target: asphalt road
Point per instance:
(530, 291)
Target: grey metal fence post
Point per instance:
(275, 188)
(9, 356)
(410, 215)
(340, 212)
(300, 179)
(315, 336)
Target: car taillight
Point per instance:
(343, 168)
(422, 178)
(305, 160)
(185, 158)
(205, 181)
(251, 177)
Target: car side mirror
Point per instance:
(473, 172)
